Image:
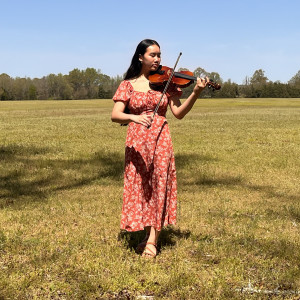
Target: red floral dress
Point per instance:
(150, 186)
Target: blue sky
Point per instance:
(233, 37)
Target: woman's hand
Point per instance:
(119, 116)
(143, 119)
(180, 110)
(200, 85)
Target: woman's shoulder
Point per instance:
(125, 84)
(124, 91)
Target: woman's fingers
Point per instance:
(202, 82)
(148, 120)
(145, 120)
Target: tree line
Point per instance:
(257, 86)
(92, 84)
(78, 84)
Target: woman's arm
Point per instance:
(119, 116)
(180, 110)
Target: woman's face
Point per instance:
(151, 59)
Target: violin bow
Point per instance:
(167, 85)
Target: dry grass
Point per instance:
(61, 192)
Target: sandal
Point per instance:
(148, 253)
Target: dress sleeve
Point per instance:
(124, 91)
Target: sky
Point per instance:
(231, 37)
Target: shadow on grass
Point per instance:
(168, 237)
(274, 248)
(31, 173)
(186, 160)
(195, 179)
(271, 192)
(283, 251)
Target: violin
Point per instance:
(163, 76)
(181, 79)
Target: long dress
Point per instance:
(150, 186)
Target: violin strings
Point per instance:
(167, 85)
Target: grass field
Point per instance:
(61, 181)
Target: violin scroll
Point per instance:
(213, 85)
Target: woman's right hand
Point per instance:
(143, 119)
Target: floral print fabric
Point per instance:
(150, 186)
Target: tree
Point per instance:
(246, 81)
(58, 87)
(215, 77)
(41, 85)
(91, 82)
(64, 88)
(114, 83)
(6, 87)
(259, 77)
(107, 86)
(200, 72)
(21, 88)
(76, 79)
(295, 80)
(229, 90)
(32, 92)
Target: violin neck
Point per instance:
(184, 76)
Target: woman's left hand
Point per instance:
(200, 84)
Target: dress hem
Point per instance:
(143, 228)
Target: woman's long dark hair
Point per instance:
(135, 67)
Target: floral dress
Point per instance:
(150, 186)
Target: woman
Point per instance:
(150, 187)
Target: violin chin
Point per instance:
(156, 87)
(158, 71)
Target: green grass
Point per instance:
(61, 187)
